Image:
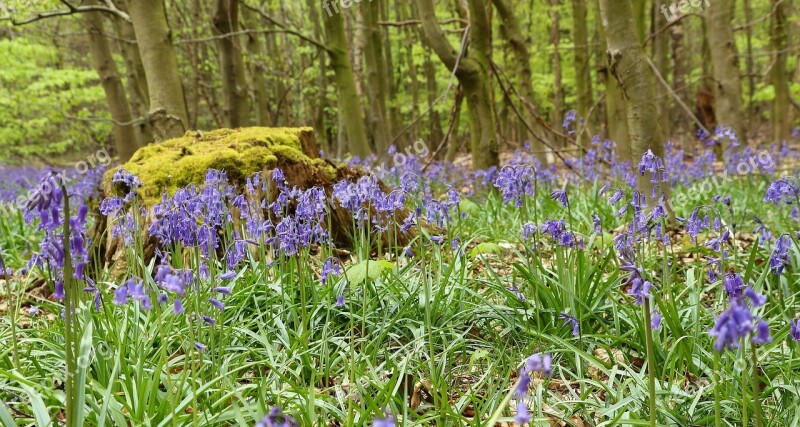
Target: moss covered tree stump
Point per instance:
(167, 166)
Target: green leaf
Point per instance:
(5, 416)
(358, 273)
(469, 207)
(486, 248)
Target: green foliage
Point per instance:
(41, 95)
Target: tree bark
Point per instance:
(473, 74)
(583, 77)
(167, 114)
(255, 56)
(124, 131)
(350, 108)
(376, 74)
(661, 59)
(558, 91)
(234, 83)
(724, 61)
(778, 76)
(629, 66)
(616, 116)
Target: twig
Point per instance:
(674, 95)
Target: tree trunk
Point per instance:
(376, 75)
(583, 77)
(629, 66)
(167, 113)
(124, 131)
(350, 109)
(722, 46)
(558, 91)
(512, 31)
(255, 68)
(661, 57)
(616, 116)
(234, 83)
(679, 83)
(779, 41)
(473, 74)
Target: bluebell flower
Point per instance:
(794, 329)
(523, 416)
(780, 254)
(782, 191)
(515, 183)
(387, 421)
(655, 321)
(571, 320)
(275, 418)
(731, 326)
(561, 197)
(200, 347)
(762, 333)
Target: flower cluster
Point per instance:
(515, 183)
(738, 322)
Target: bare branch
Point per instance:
(70, 10)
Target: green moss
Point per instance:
(178, 162)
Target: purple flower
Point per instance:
(731, 326)
(655, 321)
(340, 301)
(782, 191)
(515, 290)
(756, 299)
(780, 254)
(224, 290)
(200, 347)
(733, 284)
(596, 225)
(275, 418)
(762, 333)
(640, 289)
(515, 183)
(227, 275)
(219, 305)
(121, 295)
(528, 231)
(522, 417)
(794, 329)
(561, 197)
(177, 306)
(571, 320)
(387, 421)
(616, 197)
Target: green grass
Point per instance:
(441, 327)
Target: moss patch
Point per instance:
(179, 162)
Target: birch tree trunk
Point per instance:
(722, 47)
(629, 66)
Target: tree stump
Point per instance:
(176, 163)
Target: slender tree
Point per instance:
(350, 109)
(236, 112)
(628, 65)
(725, 63)
(616, 116)
(167, 114)
(583, 77)
(125, 135)
(778, 75)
